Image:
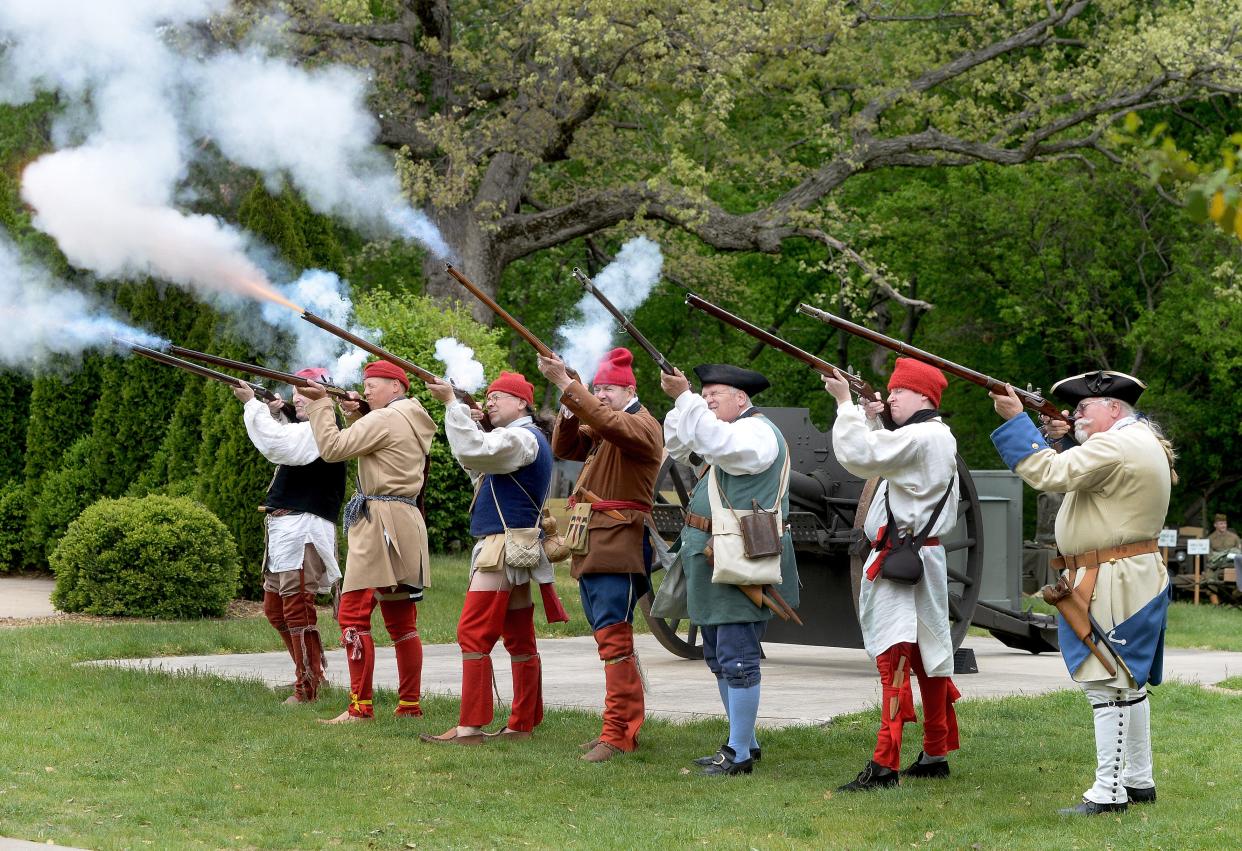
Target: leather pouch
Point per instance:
(491, 554)
(577, 539)
(761, 532)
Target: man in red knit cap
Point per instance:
(512, 468)
(388, 562)
(905, 627)
(622, 446)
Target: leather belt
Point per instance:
(1092, 559)
(698, 521)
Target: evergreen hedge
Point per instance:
(155, 556)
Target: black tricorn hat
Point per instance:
(746, 380)
(1101, 383)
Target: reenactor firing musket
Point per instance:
(383, 354)
(861, 387)
(232, 380)
(1030, 399)
(643, 342)
(263, 372)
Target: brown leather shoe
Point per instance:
(345, 718)
(602, 752)
(450, 737)
(590, 745)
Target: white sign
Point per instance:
(1167, 538)
(1197, 547)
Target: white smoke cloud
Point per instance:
(327, 296)
(626, 282)
(461, 368)
(44, 318)
(137, 106)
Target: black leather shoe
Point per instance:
(926, 769)
(755, 755)
(1141, 796)
(1091, 808)
(873, 776)
(723, 764)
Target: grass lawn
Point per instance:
(109, 758)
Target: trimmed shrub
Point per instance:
(12, 522)
(155, 556)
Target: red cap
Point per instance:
(384, 369)
(911, 374)
(314, 373)
(616, 368)
(515, 384)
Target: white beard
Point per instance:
(1080, 430)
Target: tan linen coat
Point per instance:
(1117, 492)
(388, 545)
(626, 464)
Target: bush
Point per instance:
(157, 556)
(12, 523)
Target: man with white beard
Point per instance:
(1117, 483)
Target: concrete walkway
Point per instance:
(802, 685)
(26, 597)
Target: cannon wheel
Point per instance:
(965, 597)
(679, 637)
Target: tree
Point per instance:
(526, 125)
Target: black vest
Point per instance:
(317, 488)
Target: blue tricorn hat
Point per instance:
(1098, 384)
(746, 380)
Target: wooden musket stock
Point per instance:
(520, 329)
(1034, 401)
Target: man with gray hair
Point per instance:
(1116, 481)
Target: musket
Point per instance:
(643, 342)
(270, 374)
(1030, 399)
(383, 354)
(233, 381)
(861, 387)
(521, 330)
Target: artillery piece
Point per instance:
(827, 506)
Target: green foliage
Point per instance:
(411, 326)
(12, 526)
(156, 556)
(15, 403)
(304, 238)
(65, 492)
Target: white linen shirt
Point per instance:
(283, 442)
(501, 450)
(743, 447)
(918, 462)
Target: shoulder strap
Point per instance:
(931, 522)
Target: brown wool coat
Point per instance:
(631, 449)
(388, 546)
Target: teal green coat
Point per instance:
(710, 604)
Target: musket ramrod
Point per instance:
(1034, 401)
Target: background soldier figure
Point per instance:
(302, 505)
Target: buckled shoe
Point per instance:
(1091, 808)
(723, 764)
(1141, 796)
(755, 755)
(926, 769)
(873, 776)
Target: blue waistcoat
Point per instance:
(520, 510)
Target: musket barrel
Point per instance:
(992, 385)
(638, 337)
(263, 372)
(495, 308)
(205, 372)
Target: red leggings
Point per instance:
(401, 619)
(897, 706)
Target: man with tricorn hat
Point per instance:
(1115, 586)
(622, 448)
(748, 477)
(301, 507)
(905, 614)
(388, 561)
(512, 468)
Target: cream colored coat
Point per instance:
(387, 545)
(1117, 492)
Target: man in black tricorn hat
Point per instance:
(1117, 483)
(749, 475)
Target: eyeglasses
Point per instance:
(712, 394)
(1084, 404)
(498, 396)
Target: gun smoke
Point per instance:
(626, 282)
(144, 104)
(45, 318)
(460, 366)
(325, 295)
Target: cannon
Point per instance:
(827, 506)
